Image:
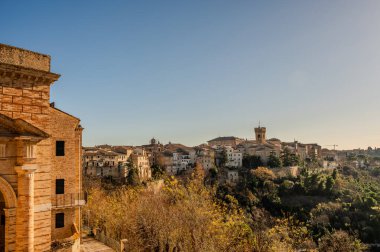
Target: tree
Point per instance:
(262, 174)
(223, 158)
(330, 184)
(213, 175)
(288, 158)
(133, 177)
(133, 173)
(273, 161)
(252, 161)
(157, 171)
(340, 241)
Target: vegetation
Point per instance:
(158, 171)
(324, 210)
(252, 161)
(274, 161)
(223, 158)
(289, 158)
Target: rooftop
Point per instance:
(224, 138)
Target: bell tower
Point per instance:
(260, 134)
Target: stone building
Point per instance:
(153, 149)
(205, 156)
(176, 158)
(140, 160)
(40, 157)
(105, 163)
(225, 141)
(264, 147)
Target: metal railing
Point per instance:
(69, 200)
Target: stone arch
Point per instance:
(8, 194)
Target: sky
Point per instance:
(190, 71)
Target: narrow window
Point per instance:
(60, 148)
(59, 186)
(59, 220)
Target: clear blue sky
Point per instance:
(189, 71)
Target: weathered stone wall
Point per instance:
(30, 102)
(65, 167)
(25, 58)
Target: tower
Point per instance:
(260, 134)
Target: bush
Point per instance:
(340, 241)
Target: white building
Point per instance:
(234, 157)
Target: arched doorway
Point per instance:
(8, 203)
(2, 223)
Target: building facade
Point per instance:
(40, 157)
(105, 163)
(140, 160)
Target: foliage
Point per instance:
(340, 241)
(180, 217)
(262, 174)
(263, 212)
(252, 161)
(223, 158)
(157, 171)
(288, 158)
(133, 177)
(274, 161)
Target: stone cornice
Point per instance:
(26, 169)
(28, 74)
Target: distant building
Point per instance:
(261, 146)
(177, 158)
(232, 176)
(153, 149)
(140, 160)
(225, 141)
(234, 157)
(104, 163)
(205, 156)
(264, 147)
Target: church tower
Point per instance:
(260, 135)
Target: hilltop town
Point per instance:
(228, 154)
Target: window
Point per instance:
(30, 151)
(60, 148)
(59, 220)
(59, 186)
(2, 150)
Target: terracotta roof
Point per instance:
(178, 148)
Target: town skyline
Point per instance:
(169, 141)
(188, 72)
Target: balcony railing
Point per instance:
(68, 200)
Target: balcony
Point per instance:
(68, 200)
